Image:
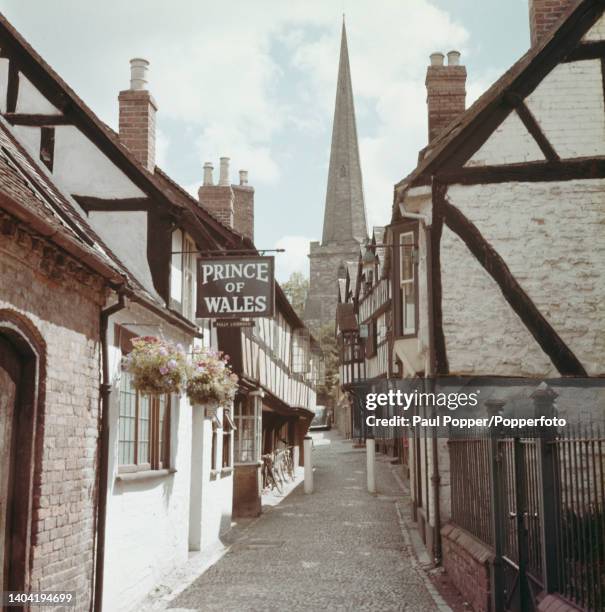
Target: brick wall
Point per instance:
(243, 210)
(64, 307)
(544, 15)
(219, 200)
(137, 125)
(467, 562)
(446, 96)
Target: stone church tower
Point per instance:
(345, 227)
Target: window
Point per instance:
(228, 429)
(189, 261)
(248, 413)
(300, 351)
(407, 283)
(183, 274)
(143, 430)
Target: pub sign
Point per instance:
(234, 287)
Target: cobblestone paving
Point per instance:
(337, 549)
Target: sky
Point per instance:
(254, 80)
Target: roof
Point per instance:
(157, 184)
(540, 59)
(32, 195)
(345, 317)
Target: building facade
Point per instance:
(495, 259)
(101, 247)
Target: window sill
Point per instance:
(144, 475)
(226, 471)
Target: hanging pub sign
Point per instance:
(234, 287)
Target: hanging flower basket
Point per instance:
(211, 379)
(156, 366)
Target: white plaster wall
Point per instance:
(30, 100)
(211, 493)
(125, 233)
(511, 143)
(482, 333)
(30, 138)
(597, 32)
(82, 169)
(568, 105)
(551, 236)
(147, 521)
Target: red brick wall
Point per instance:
(446, 96)
(137, 125)
(467, 562)
(544, 15)
(243, 210)
(63, 304)
(218, 199)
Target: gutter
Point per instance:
(430, 388)
(103, 454)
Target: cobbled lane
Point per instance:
(337, 549)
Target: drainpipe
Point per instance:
(430, 387)
(103, 453)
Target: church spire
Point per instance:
(345, 214)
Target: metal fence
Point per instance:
(538, 500)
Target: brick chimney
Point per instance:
(243, 220)
(137, 115)
(446, 91)
(218, 199)
(544, 16)
(233, 205)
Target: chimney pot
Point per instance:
(437, 58)
(224, 172)
(453, 58)
(208, 168)
(243, 177)
(138, 73)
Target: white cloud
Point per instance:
(294, 259)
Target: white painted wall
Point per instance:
(30, 100)
(551, 237)
(82, 169)
(125, 233)
(3, 83)
(568, 105)
(511, 143)
(597, 32)
(147, 521)
(211, 491)
(482, 333)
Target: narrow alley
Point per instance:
(337, 549)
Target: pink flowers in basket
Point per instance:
(159, 367)
(211, 379)
(156, 366)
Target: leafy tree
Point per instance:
(329, 385)
(296, 289)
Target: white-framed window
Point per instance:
(228, 431)
(183, 274)
(189, 276)
(407, 283)
(143, 429)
